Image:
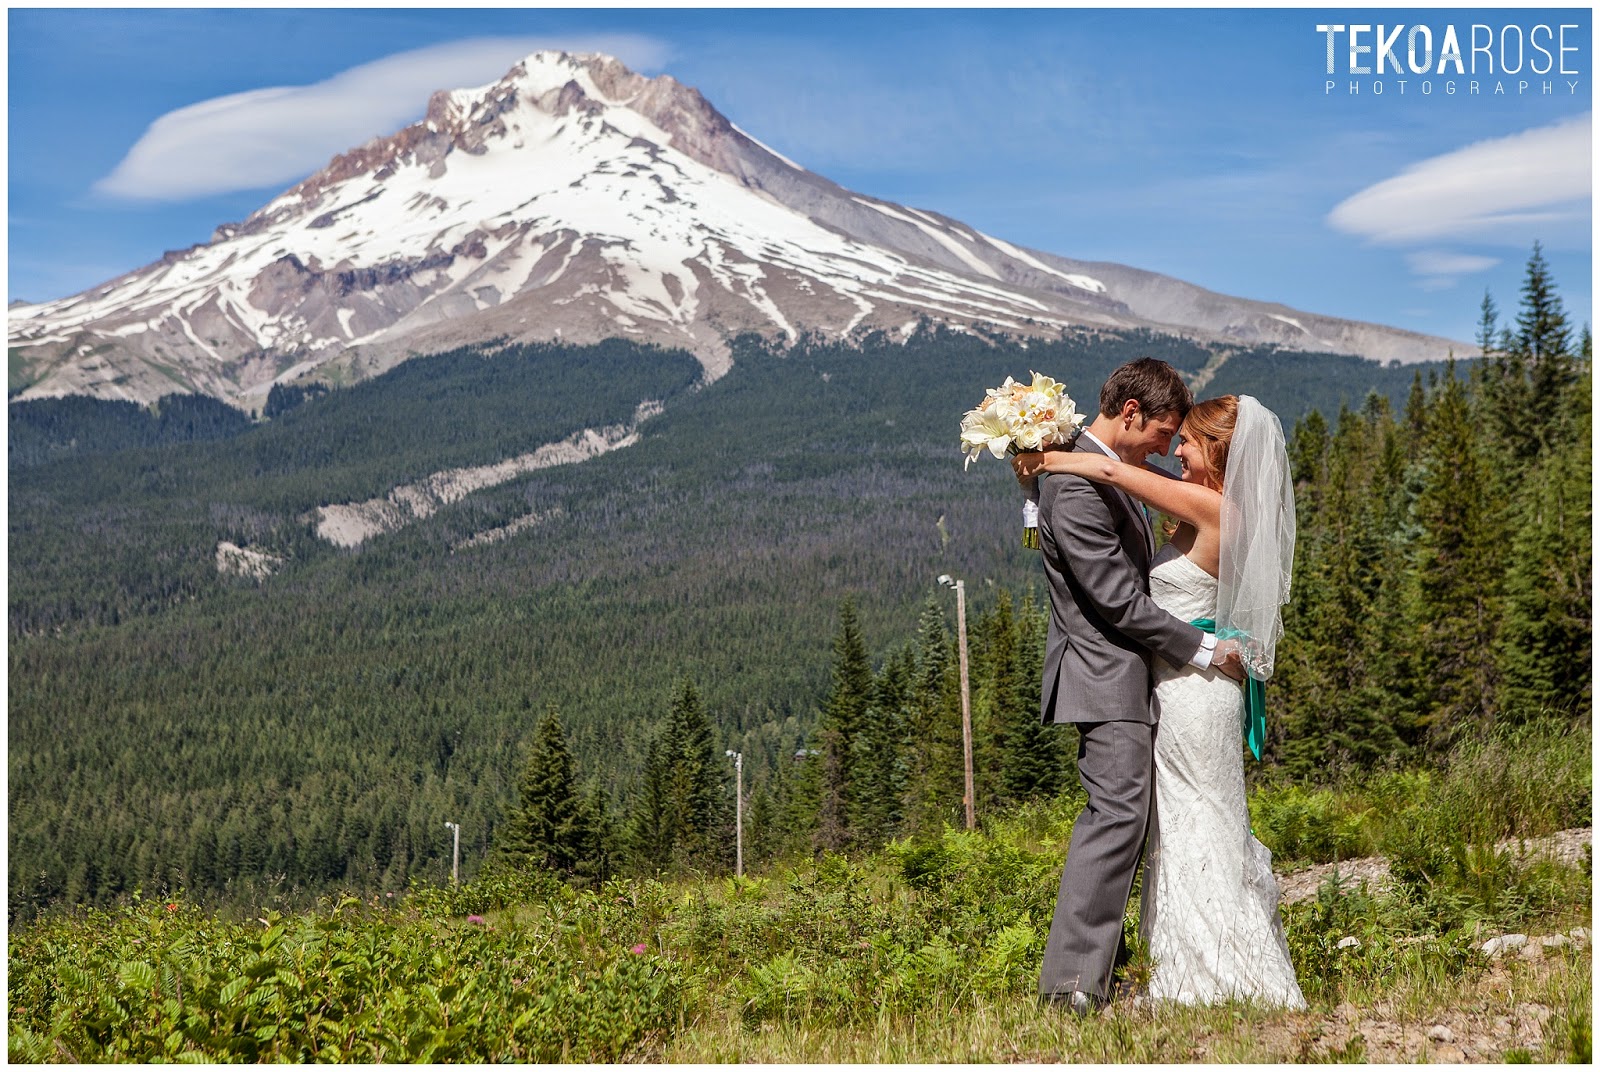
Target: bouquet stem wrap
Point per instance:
(1030, 518)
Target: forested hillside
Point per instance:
(757, 573)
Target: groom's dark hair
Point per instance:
(1155, 385)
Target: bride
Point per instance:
(1209, 913)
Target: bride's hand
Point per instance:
(1030, 463)
(1226, 660)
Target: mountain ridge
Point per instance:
(576, 200)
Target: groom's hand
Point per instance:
(1226, 659)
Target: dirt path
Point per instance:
(1513, 1006)
(1498, 1012)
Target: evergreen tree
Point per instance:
(1336, 712)
(1416, 418)
(1524, 385)
(844, 717)
(763, 836)
(1030, 757)
(693, 800)
(1545, 646)
(880, 754)
(1308, 450)
(936, 782)
(548, 830)
(1542, 329)
(797, 788)
(1488, 325)
(596, 840)
(1456, 606)
(649, 840)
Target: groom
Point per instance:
(1097, 545)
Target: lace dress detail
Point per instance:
(1209, 913)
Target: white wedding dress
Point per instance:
(1209, 911)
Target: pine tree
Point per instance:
(649, 839)
(1525, 383)
(1488, 325)
(692, 786)
(1545, 646)
(797, 789)
(596, 839)
(843, 718)
(1458, 568)
(548, 830)
(1308, 451)
(1029, 751)
(1335, 714)
(935, 782)
(763, 837)
(880, 754)
(1416, 418)
(1542, 329)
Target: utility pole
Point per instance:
(738, 811)
(455, 854)
(966, 694)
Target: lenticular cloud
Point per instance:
(276, 136)
(1486, 190)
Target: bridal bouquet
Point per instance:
(1016, 417)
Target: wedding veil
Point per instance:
(1257, 537)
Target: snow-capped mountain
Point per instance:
(575, 199)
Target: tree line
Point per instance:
(170, 727)
(1442, 588)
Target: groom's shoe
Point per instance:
(1076, 1002)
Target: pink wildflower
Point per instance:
(638, 948)
(475, 919)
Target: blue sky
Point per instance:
(1204, 144)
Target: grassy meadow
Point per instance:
(925, 951)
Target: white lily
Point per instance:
(986, 428)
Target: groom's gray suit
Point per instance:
(1104, 629)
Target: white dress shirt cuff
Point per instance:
(1202, 657)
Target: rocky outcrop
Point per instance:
(1565, 846)
(351, 524)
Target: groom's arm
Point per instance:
(1084, 534)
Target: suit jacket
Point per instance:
(1104, 628)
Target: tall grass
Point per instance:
(1517, 782)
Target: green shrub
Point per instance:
(1313, 825)
(154, 982)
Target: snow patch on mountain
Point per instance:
(575, 199)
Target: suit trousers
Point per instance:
(1116, 769)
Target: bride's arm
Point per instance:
(1195, 503)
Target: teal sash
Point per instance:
(1255, 697)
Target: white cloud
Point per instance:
(276, 136)
(1512, 189)
(1436, 262)
(1441, 270)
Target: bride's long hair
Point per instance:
(1210, 426)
